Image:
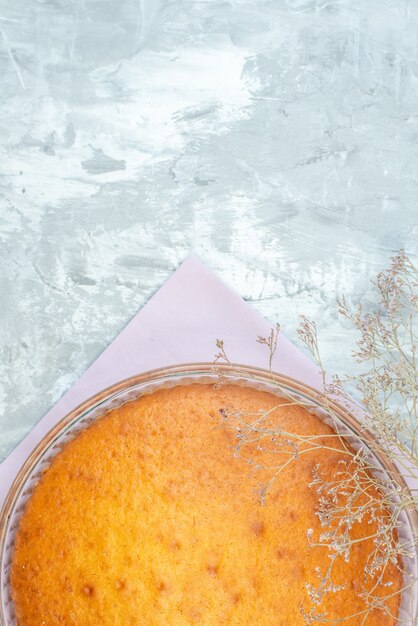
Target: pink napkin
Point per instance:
(179, 324)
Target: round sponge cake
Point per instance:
(148, 518)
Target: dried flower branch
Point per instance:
(271, 343)
(383, 397)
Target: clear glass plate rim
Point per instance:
(182, 370)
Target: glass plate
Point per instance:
(130, 389)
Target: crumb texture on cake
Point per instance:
(147, 518)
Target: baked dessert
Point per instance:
(148, 518)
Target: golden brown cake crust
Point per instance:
(146, 518)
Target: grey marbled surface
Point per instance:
(276, 138)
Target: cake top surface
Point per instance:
(148, 518)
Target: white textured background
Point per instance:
(277, 138)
